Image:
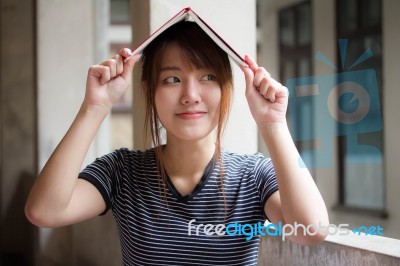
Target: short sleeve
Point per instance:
(105, 173)
(265, 178)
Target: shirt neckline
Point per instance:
(202, 182)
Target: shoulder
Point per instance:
(243, 160)
(238, 164)
(126, 153)
(255, 170)
(127, 156)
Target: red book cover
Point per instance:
(186, 14)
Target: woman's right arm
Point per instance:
(58, 197)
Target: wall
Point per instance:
(17, 128)
(71, 37)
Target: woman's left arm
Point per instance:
(298, 200)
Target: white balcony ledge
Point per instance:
(335, 250)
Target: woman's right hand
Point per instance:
(108, 81)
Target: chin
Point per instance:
(191, 136)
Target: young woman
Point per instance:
(174, 203)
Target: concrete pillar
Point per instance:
(235, 21)
(391, 79)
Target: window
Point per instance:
(361, 177)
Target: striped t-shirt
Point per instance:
(201, 228)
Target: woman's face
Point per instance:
(187, 98)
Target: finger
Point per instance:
(129, 63)
(119, 64)
(276, 90)
(112, 65)
(264, 87)
(260, 75)
(271, 93)
(251, 62)
(282, 91)
(248, 76)
(101, 72)
(125, 52)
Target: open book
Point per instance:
(189, 14)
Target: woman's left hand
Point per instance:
(267, 98)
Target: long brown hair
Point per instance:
(201, 51)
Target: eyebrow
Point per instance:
(166, 68)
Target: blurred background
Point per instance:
(47, 46)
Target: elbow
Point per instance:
(316, 230)
(309, 239)
(314, 235)
(37, 217)
(315, 239)
(33, 216)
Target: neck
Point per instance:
(188, 158)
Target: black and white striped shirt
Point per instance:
(183, 230)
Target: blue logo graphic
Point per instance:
(339, 104)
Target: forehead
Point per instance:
(173, 55)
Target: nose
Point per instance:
(190, 93)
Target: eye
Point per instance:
(209, 77)
(171, 80)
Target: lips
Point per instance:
(191, 115)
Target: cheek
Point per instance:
(157, 101)
(164, 103)
(161, 98)
(159, 104)
(215, 99)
